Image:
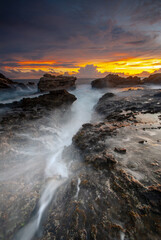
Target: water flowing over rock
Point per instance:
(105, 199)
(113, 188)
(112, 80)
(51, 82)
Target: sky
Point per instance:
(85, 38)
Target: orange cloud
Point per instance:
(128, 66)
(36, 62)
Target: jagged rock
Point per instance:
(49, 101)
(112, 80)
(8, 84)
(101, 160)
(102, 200)
(153, 79)
(34, 108)
(5, 83)
(112, 108)
(50, 82)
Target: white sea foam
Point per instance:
(57, 170)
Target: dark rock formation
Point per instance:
(30, 83)
(50, 82)
(49, 101)
(101, 199)
(28, 117)
(112, 108)
(153, 79)
(8, 84)
(5, 83)
(34, 108)
(109, 203)
(113, 80)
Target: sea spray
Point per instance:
(57, 170)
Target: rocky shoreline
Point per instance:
(113, 80)
(113, 203)
(114, 189)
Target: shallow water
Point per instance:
(32, 172)
(9, 96)
(41, 156)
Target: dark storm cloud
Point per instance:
(139, 42)
(147, 11)
(40, 28)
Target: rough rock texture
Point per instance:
(50, 82)
(136, 101)
(103, 200)
(27, 138)
(153, 79)
(34, 108)
(113, 80)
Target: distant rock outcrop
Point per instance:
(112, 80)
(5, 83)
(8, 84)
(153, 79)
(50, 82)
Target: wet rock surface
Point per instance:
(35, 108)
(51, 82)
(126, 105)
(26, 140)
(113, 195)
(109, 195)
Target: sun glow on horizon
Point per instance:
(129, 66)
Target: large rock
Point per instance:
(153, 79)
(50, 82)
(5, 83)
(112, 106)
(112, 80)
(48, 101)
(35, 108)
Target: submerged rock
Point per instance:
(51, 82)
(112, 80)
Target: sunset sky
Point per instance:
(86, 38)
